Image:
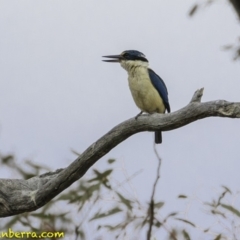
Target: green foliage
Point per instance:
(106, 214)
(186, 235)
(111, 160)
(125, 201)
(231, 209)
(182, 196)
(218, 237)
(82, 207)
(186, 221)
(158, 205)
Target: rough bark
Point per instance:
(18, 196)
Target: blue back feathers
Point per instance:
(160, 86)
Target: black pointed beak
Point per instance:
(116, 58)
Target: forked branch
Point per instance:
(18, 195)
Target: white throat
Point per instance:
(131, 65)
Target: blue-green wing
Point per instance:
(160, 86)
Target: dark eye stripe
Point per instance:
(134, 55)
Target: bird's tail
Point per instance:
(158, 137)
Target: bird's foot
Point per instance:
(139, 115)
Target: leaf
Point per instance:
(92, 189)
(158, 224)
(113, 228)
(227, 189)
(106, 173)
(227, 47)
(186, 235)
(47, 216)
(182, 196)
(158, 205)
(193, 10)
(145, 221)
(125, 201)
(102, 177)
(218, 212)
(170, 215)
(111, 160)
(79, 233)
(8, 159)
(106, 214)
(186, 221)
(231, 209)
(218, 237)
(74, 196)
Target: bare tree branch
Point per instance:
(18, 196)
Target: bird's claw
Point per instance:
(138, 115)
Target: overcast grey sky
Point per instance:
(56, 94)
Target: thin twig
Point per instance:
(171, 233)
(151, 204)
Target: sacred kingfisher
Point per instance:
(148, 90)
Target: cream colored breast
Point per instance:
(144, 94)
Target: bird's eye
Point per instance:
(126, 55)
